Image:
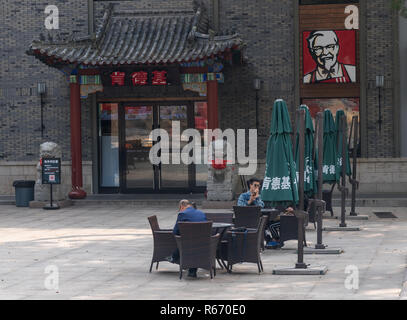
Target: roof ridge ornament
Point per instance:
(197, 5)
(105, 21)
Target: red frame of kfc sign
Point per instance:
(329, 56)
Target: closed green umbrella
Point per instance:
(329, 163)
(280, 181)
(340, 114)
(310, 186)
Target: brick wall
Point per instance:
(379, 34)
(266, 26)
(20, 135)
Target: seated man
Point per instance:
(251, 197)
(187, 212)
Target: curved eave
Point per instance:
(56, 59)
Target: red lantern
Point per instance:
(219, 166)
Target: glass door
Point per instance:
(174, 120)
(125, 144)
(138, 170)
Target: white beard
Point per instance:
(329, 63)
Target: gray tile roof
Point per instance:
(139, 38)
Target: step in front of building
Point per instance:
(173, 200)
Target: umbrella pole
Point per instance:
(300, 267)
(320, 205)
(344, 190)
(294, 136)
(342, 184)
(300, 214)
(301, 151)
(353, 181)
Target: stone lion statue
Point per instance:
(221, 172)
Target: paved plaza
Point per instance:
(104, 252)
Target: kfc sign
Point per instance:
(329, 56)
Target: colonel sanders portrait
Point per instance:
(324, 49)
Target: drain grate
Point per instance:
(385, 215)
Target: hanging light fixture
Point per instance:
(380, 85)
(257, 87)
(41, 90)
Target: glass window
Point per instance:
(349, 105)
(109, 144)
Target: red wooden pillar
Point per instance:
(76, 144)
(213, 116)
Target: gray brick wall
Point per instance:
(267, 27)
(20, 135)
(380, 62)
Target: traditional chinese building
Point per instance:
(144, 70)
(113, 73)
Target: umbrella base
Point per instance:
(311, 270)
(54, 206)
(323, 251)
(341, 229)
(358, 217)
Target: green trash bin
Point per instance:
(24, 192)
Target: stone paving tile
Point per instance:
(104, 253)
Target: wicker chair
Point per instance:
(312, 215)
(247, 217)
(245, 246)
(197, 247)
(289, 228)
(164, 242)
(226, 217)
(327, 197)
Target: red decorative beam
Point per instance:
(76, 145)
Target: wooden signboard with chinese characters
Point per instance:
(140, 76)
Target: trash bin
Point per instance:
(24, 192)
